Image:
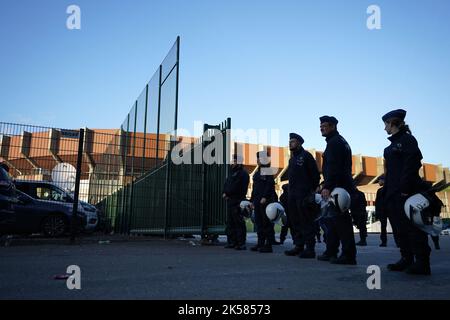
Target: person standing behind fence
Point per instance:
(262, 195)
(304, 178)
(337, 172)
(359, 215)
(379, 212)
(234, 191)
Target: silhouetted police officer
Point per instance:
(234, 191)
(337, 172)
(379, 212)
(402, 163)
(284, 200)
(359, 215)
(304, 178)
(263, 194)
(317, 228)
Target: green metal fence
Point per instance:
(128, 173)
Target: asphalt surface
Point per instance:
(184, 270)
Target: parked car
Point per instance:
(21, 214)
(6, 184)
(7, 193)
(48, 192)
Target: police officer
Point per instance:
(402, 164)
(379, 212)
(317, 227)
(304, 178)
(263, 194)
(337, 172)
(284, 200)
(359, 215)
(234, 191)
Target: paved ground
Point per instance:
(182, 269)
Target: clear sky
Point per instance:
(266, 64)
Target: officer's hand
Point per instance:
(263, 201)
(252, 206)
(224, 196)
(404, 194)
(325, 194)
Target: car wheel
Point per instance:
(54, 226)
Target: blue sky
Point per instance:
(265, 64)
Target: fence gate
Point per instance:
(183, 195)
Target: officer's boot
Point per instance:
(421, 266)
(309, 253)
(274, 242)
(362, 242)
(343, 260)
(295, 251)
(267, 247)
(401, 264)
(258, 245)
(230, 246)
(326, 256)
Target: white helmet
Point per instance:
(341, 199)
(274, 212)
(246, 208)
(416, 210)
(318, 198)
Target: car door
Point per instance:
(7, 214)
(7, 195)
(28, 214)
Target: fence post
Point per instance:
(159, 115)
(130, 198)
(123, 212)
(168, 186)
(77, 187)
(204, 226)
(177, 82)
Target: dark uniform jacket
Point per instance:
(303, 174)
(236, 185)
(337, 164)
(403, 161)
(263, 187)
